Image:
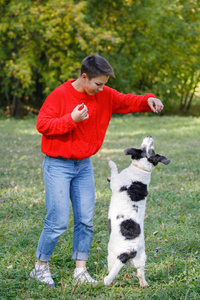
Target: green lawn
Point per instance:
(171, 224)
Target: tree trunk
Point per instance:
(190, 101)
(15, 107)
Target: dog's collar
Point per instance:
(141, 168)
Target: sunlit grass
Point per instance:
(171, 222)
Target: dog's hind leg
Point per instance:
(139, 263)
(113, 272)
(141, 277)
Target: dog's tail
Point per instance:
(112, 166)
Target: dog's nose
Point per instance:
(149, 136)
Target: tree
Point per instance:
(152, 45)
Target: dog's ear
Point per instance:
(155, 159)
(135, 153)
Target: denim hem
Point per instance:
(80, 256)
(42, 257)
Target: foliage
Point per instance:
(171, 223)
(152, 45)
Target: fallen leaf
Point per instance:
(9, 267)
(127, 276)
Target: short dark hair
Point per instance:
(95, 65)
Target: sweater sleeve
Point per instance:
(128, 103)
(50, 120)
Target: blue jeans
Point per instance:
(67, 179)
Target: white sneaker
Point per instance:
(42, 274)
(82, 275)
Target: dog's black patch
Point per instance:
(124, 257)
(137, 191)
(135, 153)
(120, 216)
(155, 159)
(109, 224)
(130, 229)
(135, 207)
(123, 188)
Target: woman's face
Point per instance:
(95, 85)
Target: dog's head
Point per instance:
(145, 156)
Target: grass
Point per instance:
(171, 223)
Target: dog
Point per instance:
(127, 210)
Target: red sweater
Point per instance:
(61, 136)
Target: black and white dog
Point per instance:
(127, 210)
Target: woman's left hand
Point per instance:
(155, 104)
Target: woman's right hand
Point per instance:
(78, 114)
